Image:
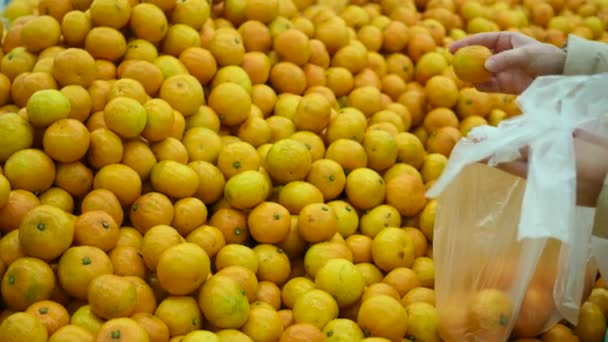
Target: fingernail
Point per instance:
(490, 64)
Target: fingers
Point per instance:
(487, 39)
(490, 86)
(518, 58)
(495, 41)
(514, 81)
(511, 81)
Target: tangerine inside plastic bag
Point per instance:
(488, 284)
(514, 256)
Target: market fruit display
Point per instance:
(249, 170)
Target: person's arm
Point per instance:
(585, 57)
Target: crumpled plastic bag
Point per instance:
(514, 256)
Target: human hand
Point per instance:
(517, 60)
(591, 153)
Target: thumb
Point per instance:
(517, 58)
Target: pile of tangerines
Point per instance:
(243, 170)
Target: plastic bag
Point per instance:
(515, 256)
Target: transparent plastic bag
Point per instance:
(515, 255)
(480, 263)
